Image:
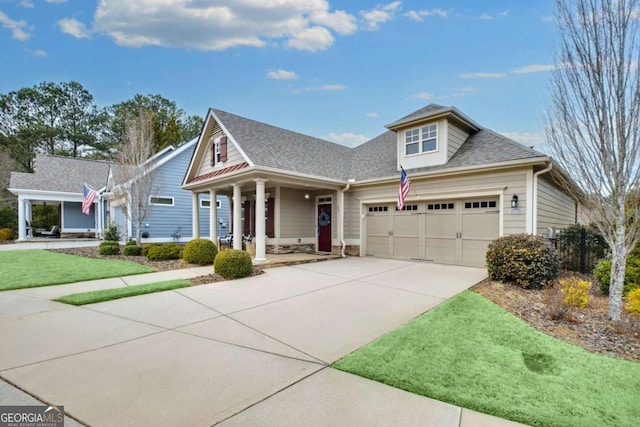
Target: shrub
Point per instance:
(132, 250)
(131, 243)
(555, 308)
(633, 302)
(112, 232)
(526, 260)
(233, 264)
(602, 273)
(575, 291)
(109, 249)
(200, 251)
(164, 252)
(6, 234)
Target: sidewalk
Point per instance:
(49, 244)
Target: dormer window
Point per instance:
(219, 150)
(421, 140)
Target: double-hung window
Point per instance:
(421, 140)
(217, 151)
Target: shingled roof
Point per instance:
(61, 174)
(271, 146)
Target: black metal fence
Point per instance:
(579, 248)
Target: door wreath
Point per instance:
(324, 219)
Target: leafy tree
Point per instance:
(594, 123)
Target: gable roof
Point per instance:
(267, 146)
(61, 174)
(274, 147)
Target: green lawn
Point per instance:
(36, 267)
(472, 353)
(116, 293)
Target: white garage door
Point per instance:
(447, 232)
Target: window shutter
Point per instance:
(223, 148)
(271, 217)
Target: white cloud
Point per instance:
(312, 39)
(213, 25)
(347, 138)
(379, 15)
(534, 68)
(372, 115)
(483, 75)
(74, 28)
(453, 93)
(419, 15)
(326, 87)
(56, 1)
(17, 27)
(487, 17)
(282, 75)
(26, 3)
(39, 53)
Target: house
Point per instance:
(58, 181)
(469, 185)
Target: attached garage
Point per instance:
(444, 231)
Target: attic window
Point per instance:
(421, 140)
(219, 150)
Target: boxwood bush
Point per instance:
(602, 272)
(109, 247)
(132, 250)
(164, 252)
(200, 251)
(233, 264)
(525, 260)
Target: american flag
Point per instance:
(88, 196)
(405, 186)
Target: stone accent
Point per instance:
(352, 250)
(291, 249)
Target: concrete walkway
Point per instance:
(253, 351)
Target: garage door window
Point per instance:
(378, 208)
(409, 208)
(480, 205)
(440, 206)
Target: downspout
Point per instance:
(342, 242)
(534, 216)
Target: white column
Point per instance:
(261, 241)
(195, 216)
(22, 224)
(237, 216)
(213, 217)
(28, 216)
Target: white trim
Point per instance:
(173, 200)
(315, 218)
(529, 209)
(203, 206)
(434, 195)
(232, 139)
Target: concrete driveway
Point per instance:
(247, 352)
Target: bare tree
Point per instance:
(594, 122)
(136, 172)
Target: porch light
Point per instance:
(514, 201)
(306, 196)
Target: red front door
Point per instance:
(324, 228)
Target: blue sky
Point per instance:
(338, 70)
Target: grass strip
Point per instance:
(37, 267)
(472, 353)
(83, 298)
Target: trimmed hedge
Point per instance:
(132, 250)
(109, 249)
(109, 243)
(233, 264)
(200, 251)
(525, 260)
(164, 252)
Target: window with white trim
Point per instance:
(207, 204)
(421, 140)
(162, 201)
(217, 151)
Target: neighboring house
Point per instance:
(171, 216)
(469, 185)
(58, 181)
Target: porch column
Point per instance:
(28, 216)
(22, 224)
(195, 216)
(237, 216)
(261, 247)
(213, 216)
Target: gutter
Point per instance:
(342, 242)
(534, 202)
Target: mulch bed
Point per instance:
(589, 328)
(172, 264)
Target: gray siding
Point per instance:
(74, 218)
(233, 155)
(555, 208)
(455, 139)
(296, 214)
